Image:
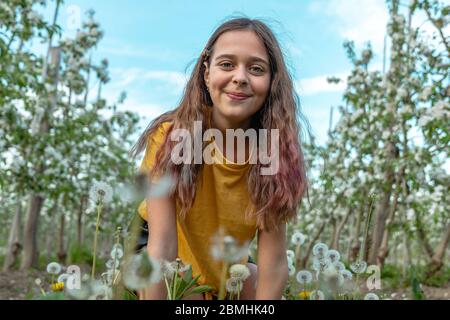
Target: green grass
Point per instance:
(391, 276)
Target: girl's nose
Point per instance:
(240, 76)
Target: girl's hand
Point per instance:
(272, 264)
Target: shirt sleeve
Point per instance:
(154, 143)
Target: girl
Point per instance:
(240, 81)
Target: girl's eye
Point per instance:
(226, 64)
(257, 69)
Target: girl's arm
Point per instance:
(272, 264)
(162, 239)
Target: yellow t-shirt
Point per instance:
(220, 203)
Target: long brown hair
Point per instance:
(274, 198)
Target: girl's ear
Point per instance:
(206, 74)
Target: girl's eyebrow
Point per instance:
(232, 56)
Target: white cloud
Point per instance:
(147, 110)
(357, 20)
(175, 81)
(319, 84)
(121, 49)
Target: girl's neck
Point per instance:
(222, 125)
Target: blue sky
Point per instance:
(149, 44)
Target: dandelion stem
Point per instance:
(223, 280)
(115, 256)
(99, 210)
(174, 294)
(42, 290)
(239, 291)
(297, 255)
(169, 292)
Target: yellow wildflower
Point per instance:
(304, 295)
(59, 286)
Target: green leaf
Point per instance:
(188, 274)
(187, 286)
(199, 289)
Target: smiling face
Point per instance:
(238, 78)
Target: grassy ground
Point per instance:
(19, 285)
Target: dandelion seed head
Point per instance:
(54, 268)
(291, 270)
(161, 188)
(290, 261)
(117, 246)
(320, 249)
(290, 254)
(347, 274)
(298, 238)
(100, 192)
(358, 266)
(112, 264)
(239, 271)
(227, 249)
(107, 276)
(304, 277)
(168, 269)
(116, 253)
(320, 264)
(333, 255)
(99, 291)
(339, 266)
(234, 285)
(371, 296)
(316, 295)
(330, 272)
(176, 266)
(140, 271)
(38, 281)
(126, 193)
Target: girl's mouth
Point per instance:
(237, 97)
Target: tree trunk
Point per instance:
(14, 245)
(50, 233)
(355, 243)
(61, 251)
(383, 209)
(438, 257)
(333, 233)
(70, 232)
(422, 237)
(30, 253)
(395, 256)
(311, 245)
(406, 254)
(340, 226)
(80, 221)
(36, 201)
(384, 248)
(390, 152)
